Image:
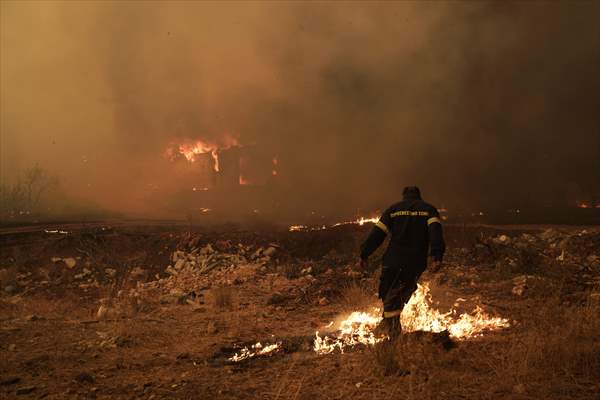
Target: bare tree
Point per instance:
(26, 194)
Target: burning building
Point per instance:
(225, 175)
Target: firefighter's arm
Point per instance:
(376, 237)
(437, 246)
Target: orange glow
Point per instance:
(243, 181)
(358, 221)
(192, 148)
(418, 315)
(255, 350)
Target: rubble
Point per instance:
(102, 312)
(190, 272)
(520, 285)
(536, 252)
(10, 289)
(207, 258)
(26, 390)
(70, 262)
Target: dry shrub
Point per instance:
(223, 297)
(356, 296)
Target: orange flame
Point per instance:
(359, 221)
(358, 327)
(192, 148)
(583, 204)
(255, 350)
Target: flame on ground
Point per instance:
(359, 221)
(304, 228)
(254, 351)
(356, 329)
(583, 204)
(417, 315)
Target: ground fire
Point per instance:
(299, 200)
(357, 328)
(418, 316)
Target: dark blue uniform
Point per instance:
(415, 228)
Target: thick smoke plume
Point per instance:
(481, 104)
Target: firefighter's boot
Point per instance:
(389, 327)
(395, 328)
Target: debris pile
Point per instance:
(207, 258)
(191, 273)
(531, 252)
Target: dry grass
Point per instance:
(357, 296)
(386, 357)
(558, 350)
(222, 297)
(553, 354)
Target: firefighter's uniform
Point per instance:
(415, 227)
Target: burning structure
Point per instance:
(234, 176)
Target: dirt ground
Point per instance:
(96, 312)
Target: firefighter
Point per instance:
(414, 227)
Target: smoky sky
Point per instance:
(482, 104)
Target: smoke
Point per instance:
(481, 104)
